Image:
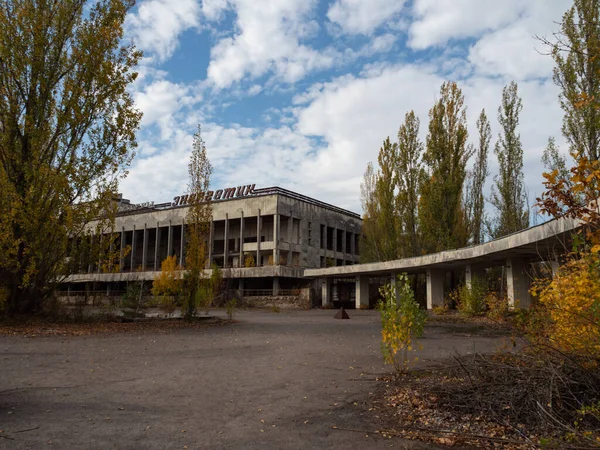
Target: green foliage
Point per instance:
(135, 300)
(410, 177)
(230, 308)
(441, 212)
(508, 195)
(474, 200)
(402, 321)
(67, 135)
(576, 54)
(471, 298)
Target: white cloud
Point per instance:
(437, 21)
(268, 38)
(513, 51)
(157, 25)
(363, 16)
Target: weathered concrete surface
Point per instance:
(271, 381)
(541, 240)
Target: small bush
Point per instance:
(497, 306)
(471, 298)
(275, 309)
(402, 321)
(230, 308)
(249, 261)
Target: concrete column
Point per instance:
(554, 266)
(344, 248)
(210, 242)
(394, 283)
(121, 256)
(100, 253)
(474, 271)
(258, 232)
(170, 240)
(334, 246)
(275, 286)
(517, 284)
(326, 293)
(132, 263)
(145, 248)
(156, 246)
(226, 246)
(290, 230)
(276, 224)
(325, 240)
(90, 267)
(352, 244)
(182, 246)
(435, 288)
(242, 262)
(362, 292)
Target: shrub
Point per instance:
(249, 261)
(471, 297)
(571, 301)
(497, 305)
(402, 321)
(230, 307)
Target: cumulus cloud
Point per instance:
(268, 38)
(157, 24)
(363, 16)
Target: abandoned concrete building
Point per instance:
(263, 239)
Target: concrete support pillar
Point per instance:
(210, 242)
(474, 271)
(258, 232)
(170, 240)
(90, 267)
(122, 250)
(352, 244)
(362, 292)
(334, 246)
(435, 288)
(182, 246)
(276, 224)
(290, 229)
(133, 244)
(226, 242)
(144, 248)
(242, 263)
(101, 253)
(554, 266)
(156, 247)
(394, 283)
(326, 293)
(517, 284)
(325, 239)
(275, 286)
(344, 250)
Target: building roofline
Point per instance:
(260, 192)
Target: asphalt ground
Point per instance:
(289, 380)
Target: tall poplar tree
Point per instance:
(198, 218)
(380, 222)
(410, 176)
(479, 175)
(577, 57)
(508, 195)
(67, 134)
(441, 213)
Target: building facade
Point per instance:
(263, 239)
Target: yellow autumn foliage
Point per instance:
(572, 302)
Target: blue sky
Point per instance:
(301, 93)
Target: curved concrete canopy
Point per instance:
(535, 243)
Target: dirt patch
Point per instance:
(34, 327)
